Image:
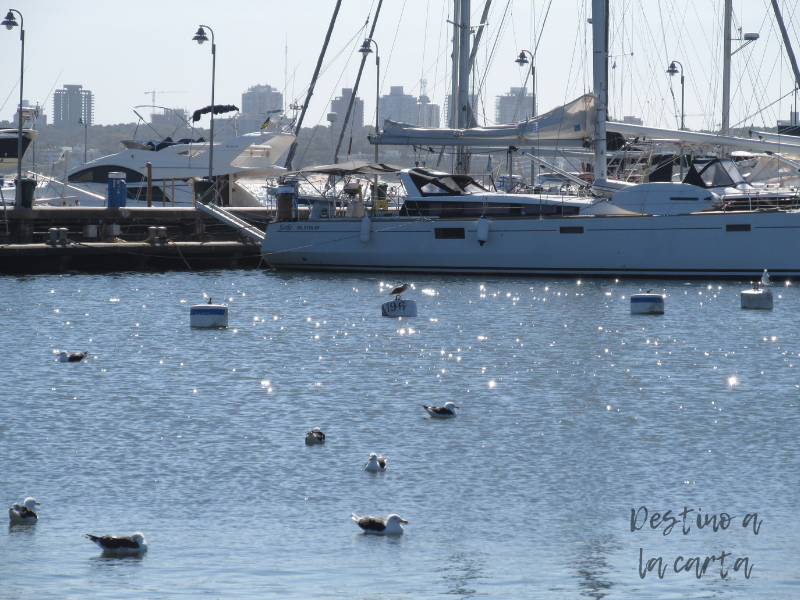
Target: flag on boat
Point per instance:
(265, 124)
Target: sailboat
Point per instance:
(659, 229)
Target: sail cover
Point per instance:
(573, 121)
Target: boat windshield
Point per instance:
(717, 173)
(431, 184)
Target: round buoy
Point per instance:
(399, 308)
(208, 315)
(647, 304)
(757, 299)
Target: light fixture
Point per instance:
(673, 70)
(522, 59)
(365, 48)
(200, 36)
(10, 22)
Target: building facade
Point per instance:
(73, 105)
(513, 107)
(428, 114)
(398, 106)
(261, 99)
(340, 104)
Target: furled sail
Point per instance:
(573, 121)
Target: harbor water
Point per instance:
(573, 413)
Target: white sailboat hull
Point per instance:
(723, 245)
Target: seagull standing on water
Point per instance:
(315, 436)
(442, 412)
(122, 544)
(377, 526)
(25, 513)
(375, 463)
(399, 291)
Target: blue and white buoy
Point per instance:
(647, 304)
(399, 308)
(208, 315)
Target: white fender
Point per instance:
(366, 228)
(483, 230)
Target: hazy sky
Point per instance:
(120, 49)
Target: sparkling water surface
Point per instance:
(573, 412)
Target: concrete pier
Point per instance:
(99, 239)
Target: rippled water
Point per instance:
(572, 413)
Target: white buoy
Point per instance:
(483, 230)
(399, 308)
(757, 299)
(208, 315)
(647, 304)
(366, 228)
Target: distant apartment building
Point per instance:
(631, 120)
(428, 114)
(258, 102)
(512, 107)
(398, 106)
(340, 104)
(73, 105)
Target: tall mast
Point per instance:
(293, 149)
(453, 116)
(600, 80)
(787, 43)
(726, 67)
(463, 79)
(355, 87)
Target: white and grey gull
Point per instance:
(315, 436)
(24, 513)
(375, 463)
(391, 525)
(123, 544)
(74, 357)
(448, 411)
(399, 291)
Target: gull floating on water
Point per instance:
(442, 412)
(377, 526)
(375, 463)
(75, 357)
(25, 513)
(399, 291)
(315, 436)
(122, 544)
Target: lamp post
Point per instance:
(673, 70)
(84, 122)
(201, 37)
(366, 49)
(522, 60)
(10, 22)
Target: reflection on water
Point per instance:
(593, 569)
(461, 571)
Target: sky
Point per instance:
(121, 49)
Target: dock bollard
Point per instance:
(63, 232)
(647, 304)
(53, 235)
(162, 233)
(151, 234)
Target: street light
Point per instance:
(10, 22)
(201, 37)
(365, 49)
(673, 70)
(522, 60)
(84, 122)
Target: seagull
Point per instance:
(765, 280)
(375, 463)
(399, 291)
(375, 525)
(315, 436)
(25, 513)
(75, 357)
(122, 544)
(442, 412)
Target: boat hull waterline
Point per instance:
(721, 245)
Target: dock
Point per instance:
(107, 240)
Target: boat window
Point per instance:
(715, 175)
(449, 233)
(430, 189)
(99, 174)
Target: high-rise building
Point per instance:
(261, 99)
(73, 104)
(513, 107)
(398, 106)
(428, 114)
(340, 104)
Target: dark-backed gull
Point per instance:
(377, 526)
(399, 291)
(25, 513)
(375, 463)
(315, 436)
(121, 544)
(74, 357)
(442, 412)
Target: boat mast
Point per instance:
(355, 87)
(292, 150)
(787, 43)
(454, 100)
(463, 80)
(726, 67)
(600, 80)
